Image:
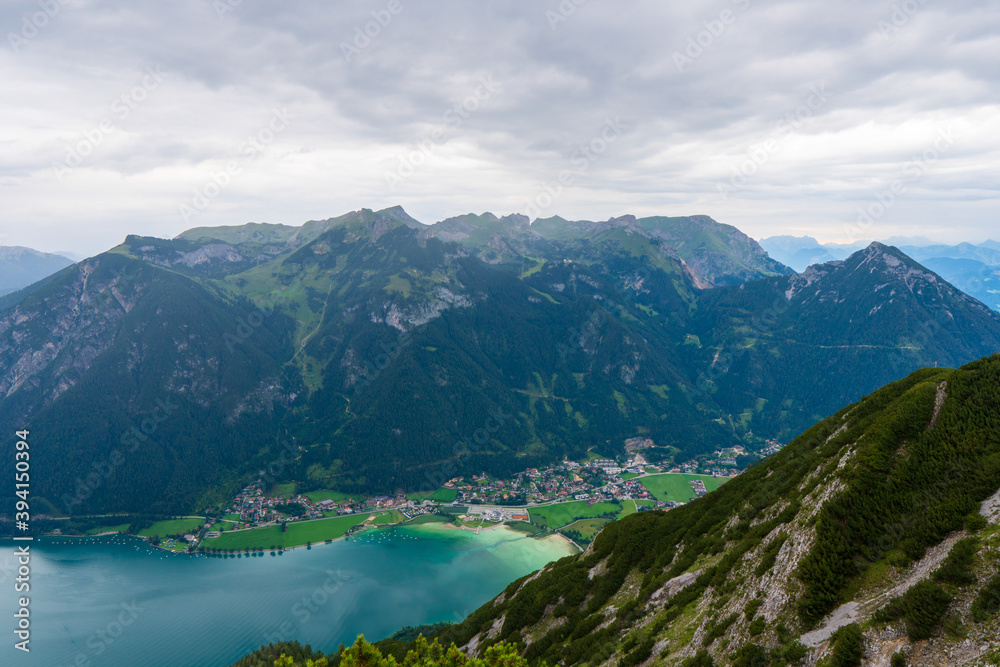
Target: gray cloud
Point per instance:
(699, 89)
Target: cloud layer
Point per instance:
(839, 120)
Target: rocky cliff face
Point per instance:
(88, 363)
(55, 336)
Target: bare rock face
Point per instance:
(60, 334)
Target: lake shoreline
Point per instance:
(364, 527)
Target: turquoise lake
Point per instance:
(114, 601)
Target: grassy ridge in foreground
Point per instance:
(871, 487)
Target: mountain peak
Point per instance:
(879, 256)
(397, 213)
(627, 220)
(885, 275)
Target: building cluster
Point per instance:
(593, 481)
(255, 508)
(773, 447)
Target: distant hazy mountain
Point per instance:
(979, 253)
(20, 267)
(798, 252)
(712, 254)
(976, 279)
(975, 269)
(372, 353)
(908, 241)
(75, 256)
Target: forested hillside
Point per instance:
(799, 342)
(372, 353)
(879, 522)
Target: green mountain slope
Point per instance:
(429, 343)
(857, 324)
(711, 253)
(123, 371)
(360, 352)
(872, 532)
(371, 353)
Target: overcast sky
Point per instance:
(776, 117)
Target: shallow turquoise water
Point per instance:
(114, 601)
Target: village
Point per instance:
(488, 499)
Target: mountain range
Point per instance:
(20, 267)
(372, 353)
(974, 269)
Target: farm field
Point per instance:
(283, 491)
(562, 514)
(675, 487)
(587, 527)
(109, 529)
(172, 527)
(523, 527)
(444, 495)
(326, 494)
(392, 516)
(298, 533)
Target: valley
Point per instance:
(500, 334)
(315, 354)
(620, 392)
(555, 499)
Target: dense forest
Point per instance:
(373, 354)
(869, 490)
